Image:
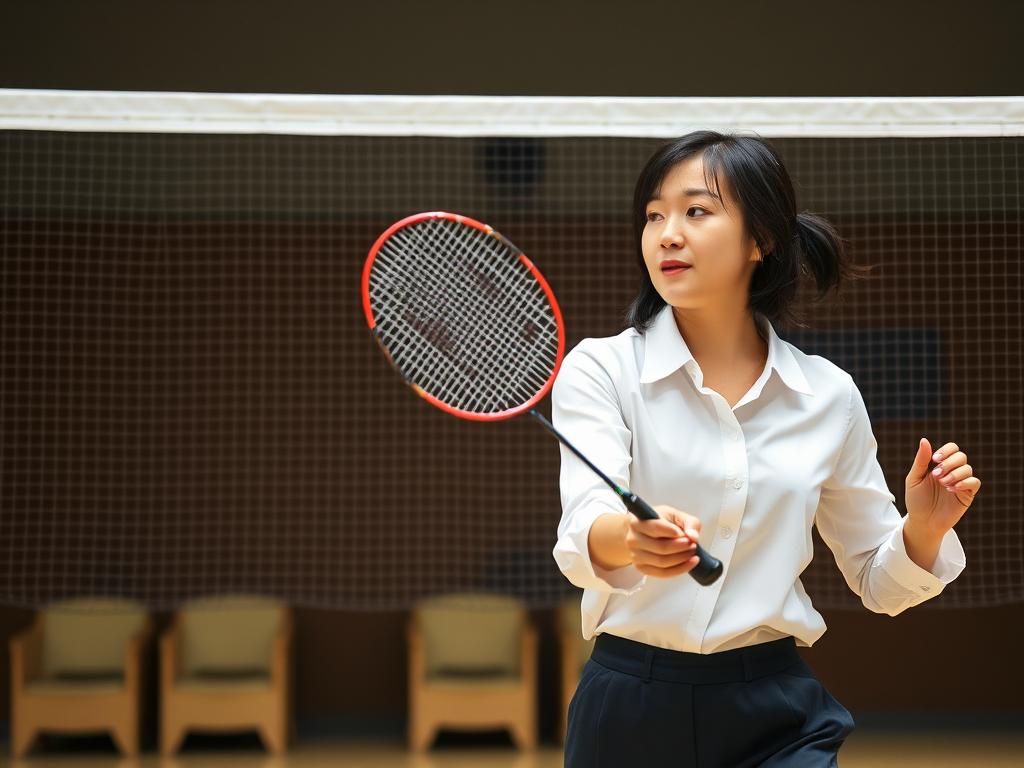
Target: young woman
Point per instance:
(742, 442)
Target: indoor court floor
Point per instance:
(863, 750)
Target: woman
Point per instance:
(742, 442)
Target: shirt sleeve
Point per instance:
(585, 409)
(858, 520)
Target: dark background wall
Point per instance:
(530, 47)
(351, 665)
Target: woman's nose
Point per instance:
(671, 236)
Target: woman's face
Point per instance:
(686, 223)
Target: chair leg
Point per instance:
(127, 739)
(171, 736)
(21, 739)
(524, 735)
(421, 735)
(274, 736)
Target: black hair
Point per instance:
(792, 244)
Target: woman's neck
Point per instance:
(720, 338)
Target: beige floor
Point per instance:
(862, 750)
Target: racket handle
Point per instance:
(706, 571)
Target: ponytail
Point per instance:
(816, 250)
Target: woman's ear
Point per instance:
(759, 251)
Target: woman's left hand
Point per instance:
(936, 499)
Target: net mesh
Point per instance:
(190, 403)
(462, 317)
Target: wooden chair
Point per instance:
(225, 666)
(472, 665)
(78, 668)
(574, 652)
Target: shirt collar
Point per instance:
(665, 352)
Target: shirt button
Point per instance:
(737, 483)
(726, 532)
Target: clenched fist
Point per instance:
(665, 547)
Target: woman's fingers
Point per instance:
(687, 523)
(659, 546)
(664, 573)
(958, 459)
(955, 476)
(664, 559)
(661, 528)
(655, 538)
(690, 524)
(971, 484)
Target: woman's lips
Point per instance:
(674, 268)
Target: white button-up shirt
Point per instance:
(796, 450)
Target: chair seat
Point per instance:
(464, 681)
(224, 682)
(92, 685)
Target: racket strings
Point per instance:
(473, 394)
(423, 340)
(461, 358)
(462, 317)
(515, 277)
(409, 350)
(472, 246)
(533, 336)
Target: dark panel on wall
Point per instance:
(894, 384)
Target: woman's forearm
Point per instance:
(607, 541)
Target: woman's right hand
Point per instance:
(665, 547)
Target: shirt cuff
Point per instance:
(572, 554)
(949, 563)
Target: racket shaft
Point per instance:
(705, 572)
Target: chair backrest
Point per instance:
(88, 636)
(572, 624)
(229, 634)
(471, 633)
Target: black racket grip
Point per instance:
(707, 570)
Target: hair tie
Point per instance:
(799, 233)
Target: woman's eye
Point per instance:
(652, 214)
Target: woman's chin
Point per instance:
(677, 296)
